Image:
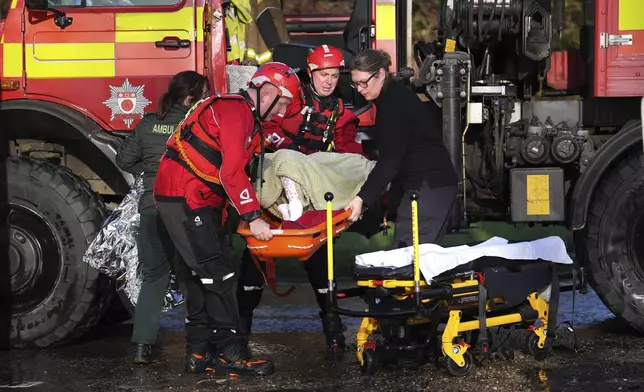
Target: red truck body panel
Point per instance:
(619, 69)
(106, 64)
(567, 71)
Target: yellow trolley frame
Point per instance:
(458, 357)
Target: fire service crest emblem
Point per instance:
(127, 102)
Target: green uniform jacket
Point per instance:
(142, 149)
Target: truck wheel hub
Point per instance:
(23, 253)
(34, 258)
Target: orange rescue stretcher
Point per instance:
(294, 239)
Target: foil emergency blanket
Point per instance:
(113, 251)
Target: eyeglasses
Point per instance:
(363, 83)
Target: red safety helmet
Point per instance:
(324, 56)
(279, 75)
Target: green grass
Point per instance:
(351, 244)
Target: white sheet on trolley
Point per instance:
(434, 259)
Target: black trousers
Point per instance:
(251, 284)
(434, 206)
(213, 314)
(155, 253)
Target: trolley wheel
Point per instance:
(369, 362)
(458, 371)
(506, 354)
(533, 348)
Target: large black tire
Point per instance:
(53, 217)
(612, 244)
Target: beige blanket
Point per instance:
(314, 175)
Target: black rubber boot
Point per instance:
(234, 359)
(248, 300)
(198, 360)
(333, 330)
(142, 353)
(244, 341)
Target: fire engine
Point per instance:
(77, 76)
(537, 136)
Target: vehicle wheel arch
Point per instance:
(615, 149)
(85, 127)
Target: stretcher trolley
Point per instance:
(409, 320)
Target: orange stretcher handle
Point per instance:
(293, 243)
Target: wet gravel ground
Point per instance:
(288, 331)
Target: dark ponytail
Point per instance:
(182, 85)
(165, 103)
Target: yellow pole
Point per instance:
(414, 232)
(414, 224)
(329, 236)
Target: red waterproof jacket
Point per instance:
(205, 162)
(329, 115)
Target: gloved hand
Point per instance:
(261, 230)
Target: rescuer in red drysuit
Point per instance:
(330, 128)
(316, 120)
(202, 170)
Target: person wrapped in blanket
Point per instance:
(315, 122)
(201, 172)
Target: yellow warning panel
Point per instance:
(450, 45)
(538, 194)
(630, 15)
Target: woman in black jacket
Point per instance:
(140, 153)
(412, 156)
